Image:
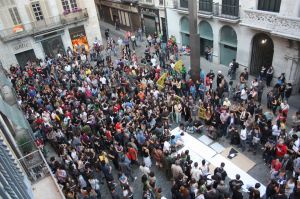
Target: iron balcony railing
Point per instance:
(206, 6)
(226, 11)
(43, 25)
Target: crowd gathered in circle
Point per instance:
(107, 112)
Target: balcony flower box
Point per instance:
(66, 12)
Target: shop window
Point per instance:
(14, 14)
(37, 11)
(269, 5)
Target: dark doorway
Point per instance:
(25, 56)
(149, 24)
(164, 29)
(262, 53)
(204, 43)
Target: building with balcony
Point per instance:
(24, 173)
(31, 29)
(123, 14)
(255, 33)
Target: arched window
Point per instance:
(228, 45)
(185, 31)
(206, 40)
(205, 30)
(228, 36)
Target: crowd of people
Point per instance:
(105, 115)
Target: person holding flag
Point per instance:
(161, 81)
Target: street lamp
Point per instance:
(194, 41)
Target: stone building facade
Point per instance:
(37, 28)
(256, 33)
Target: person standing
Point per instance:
(233, 67)
(178, 110)
(254, 192)
(288, 91)
(243, 137)
(133, 40)
(260, 90)
(269, 75)
(224, 122)
(220, 171)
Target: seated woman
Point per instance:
(212, 131)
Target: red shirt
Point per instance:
(276, 165)
(281, 150)
(132, 153)
(108, 135)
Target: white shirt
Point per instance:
(196, 173)
(275, 130)
(167, 146)
(94, 184)
(244, 94)
(204, 169)
(243, 134)
(153, 61)
(103, 80)
(145, 170)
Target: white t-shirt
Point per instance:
(243, 134)
(196, 173)
(167, 146)
(244, 94)
(153, 61)
(103, 80)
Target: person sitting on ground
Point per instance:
(176, 140)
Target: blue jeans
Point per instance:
(243, 144)
(178, 117)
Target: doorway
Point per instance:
(262, 53)
(24, 57)
(206, 36)
(149, 24)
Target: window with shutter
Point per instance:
(14, 14)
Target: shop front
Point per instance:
(79, 38)
(23, 51)
(51, 42)
(121, 15)
(149, 19)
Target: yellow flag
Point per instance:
(161, 81)
(178, 66)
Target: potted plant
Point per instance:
(66, 12)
